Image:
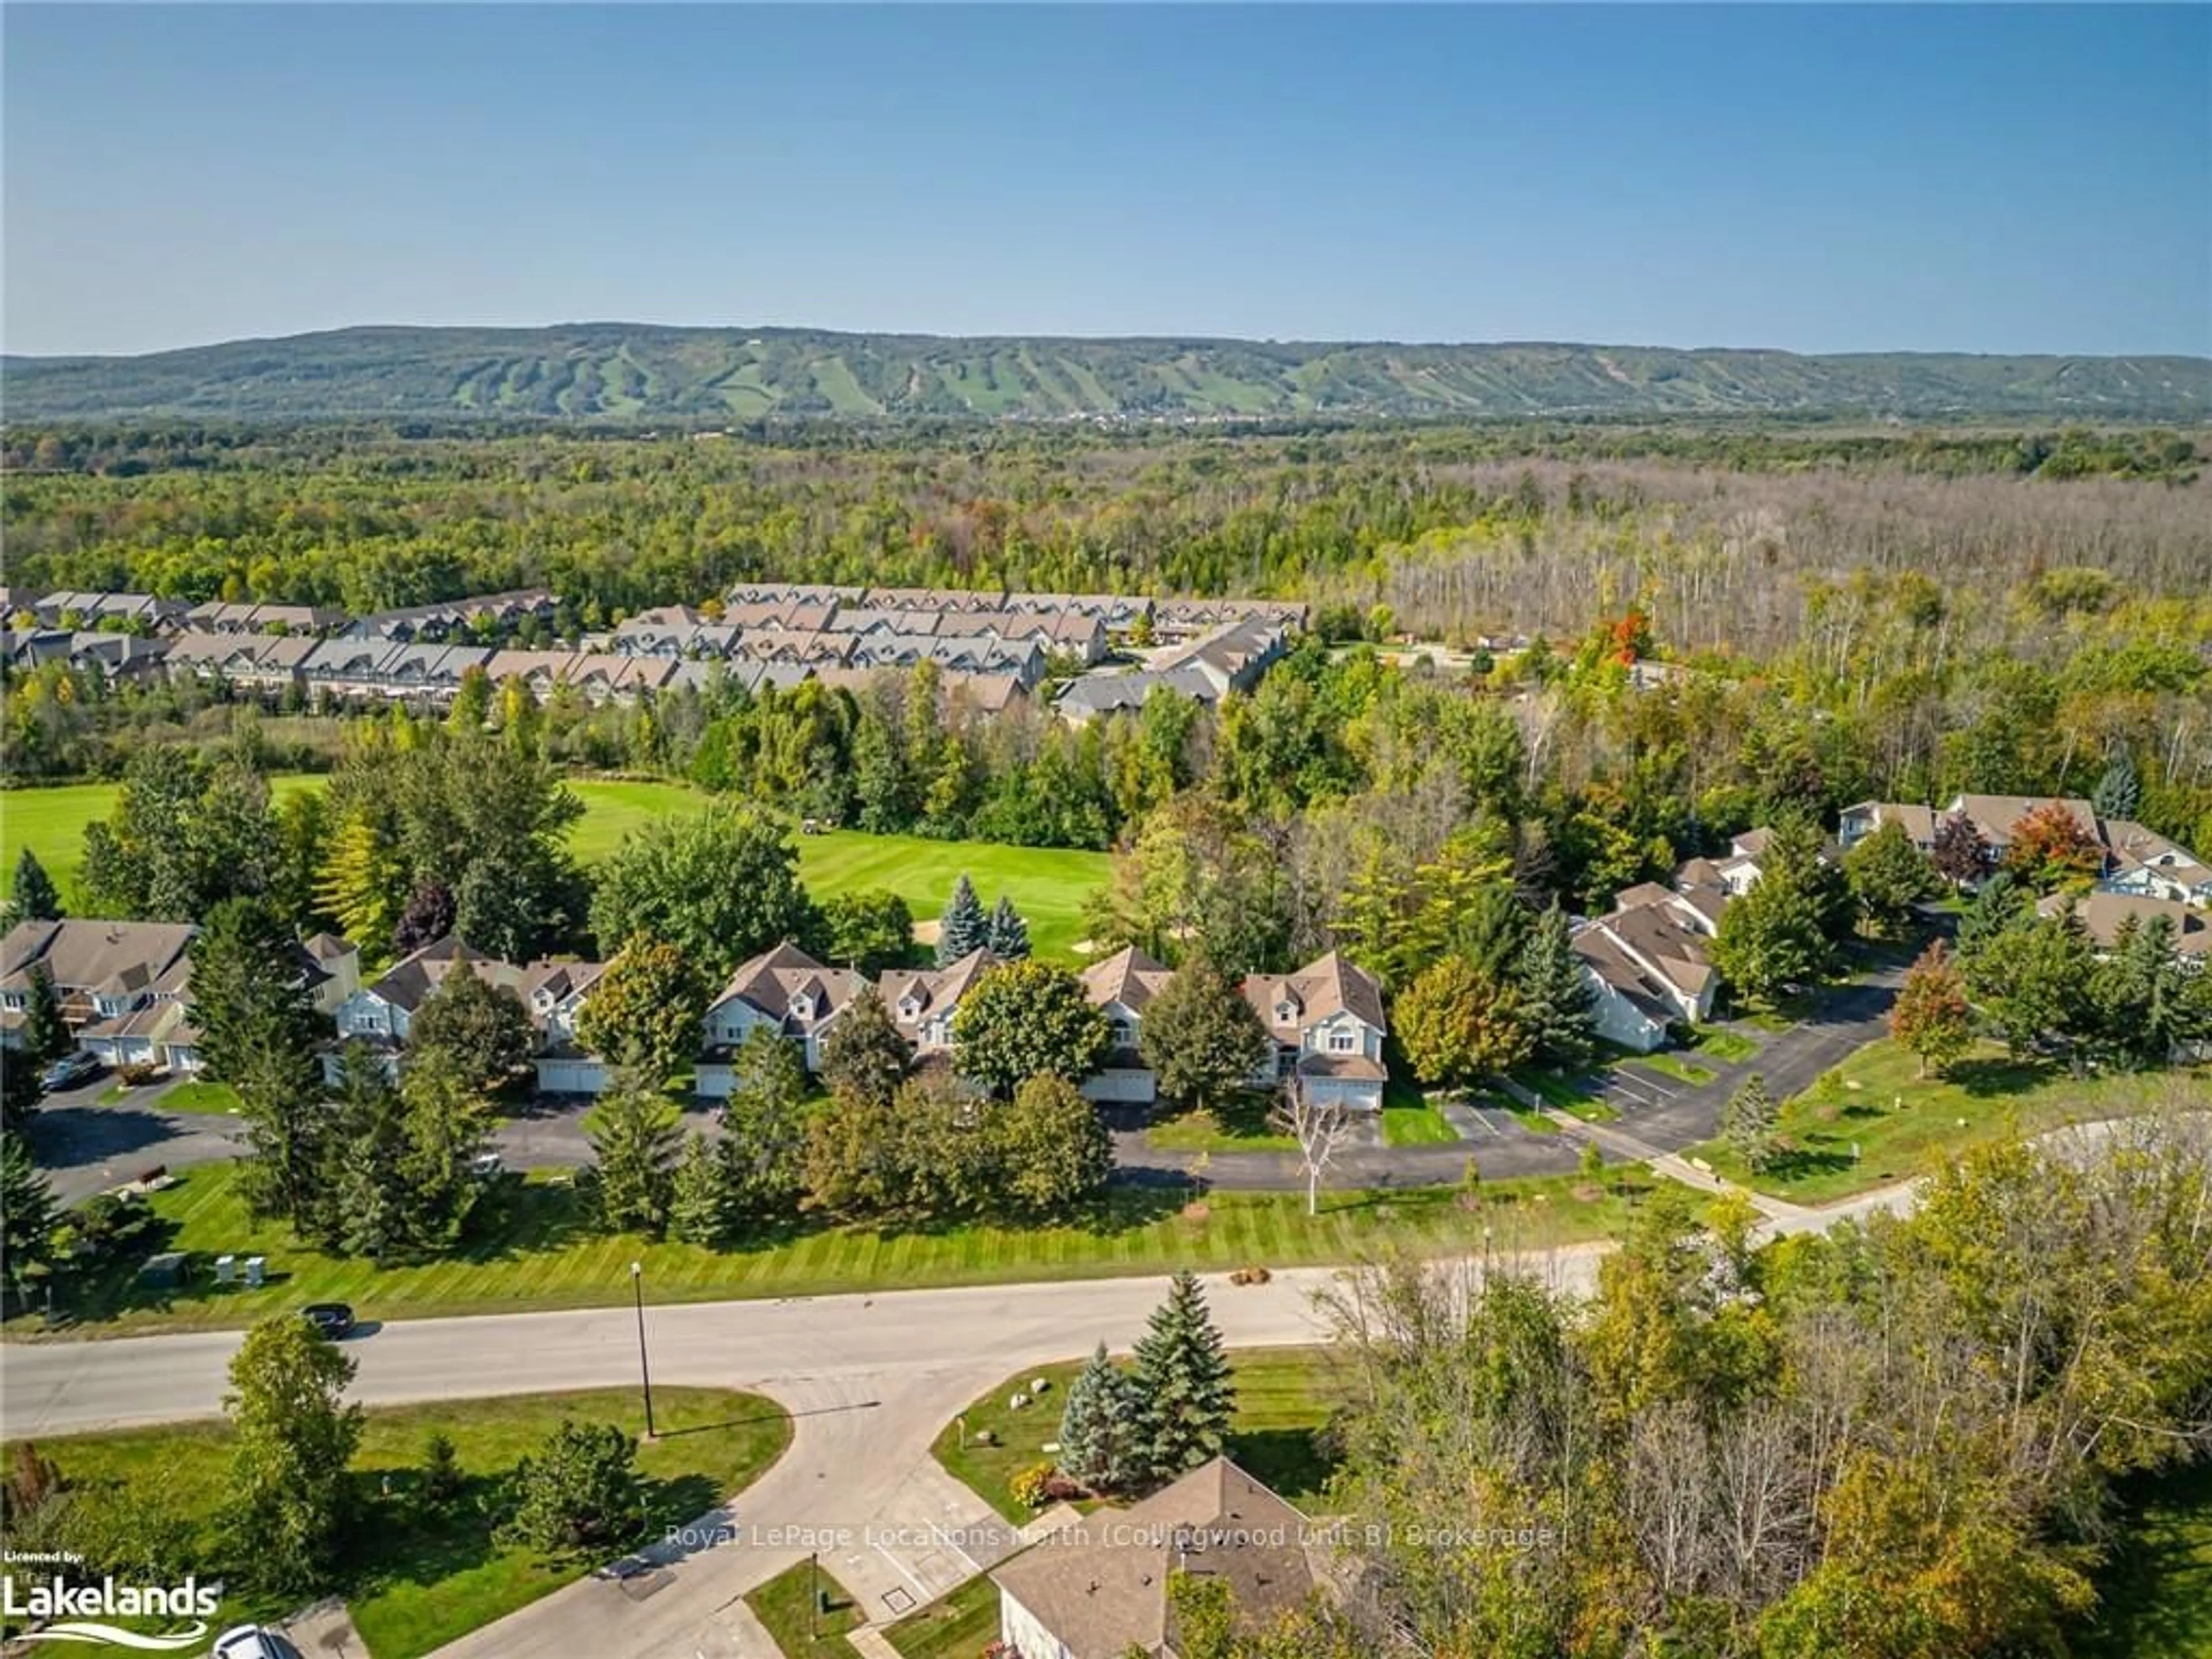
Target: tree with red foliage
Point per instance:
(2049, 849)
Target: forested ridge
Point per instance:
(633, 371)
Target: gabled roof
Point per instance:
(2103, 912)
(932, 991)
(773, 980)
(2133, 846)
(1996, 816)
(1128, 977)
(1108, 1593)
(1328, 986)
(409, 981)
(88, 955)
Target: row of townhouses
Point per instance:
(998, 646)
(1326, 1019)
(1648, 959)
(125, 986)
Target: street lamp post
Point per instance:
(644, 1370)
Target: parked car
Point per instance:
(331, 1319)
(252, 1642)
(70, 1070)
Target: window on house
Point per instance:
(1342, 1042)
(802, 1008)
(1125, 1033)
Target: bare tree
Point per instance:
(1321, 1128)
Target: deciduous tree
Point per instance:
(1026, 1019)
(1930, 1018)
(1203, 1039)
(721, 885)
(644, 1011)
(482, 1027)
(288, 1501)
(1458, 1025)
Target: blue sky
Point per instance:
(1849, 177)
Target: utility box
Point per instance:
(256, 1269)
(226, 1269)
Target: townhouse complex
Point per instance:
(1326, 1019)
(991, 647)
(1648, 958)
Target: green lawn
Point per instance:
(416, 1579)
(957, 1627)
(1903, 1125)
(2155, 1591)
(1717, 1042)
(1283, 1396)
(1408, 1119)
(539, 1253)
(1049, 886)
(787, 1605)
(1674, 1065)
(1241, 1127)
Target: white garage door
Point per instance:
(571, 1077)
(1120, 1086)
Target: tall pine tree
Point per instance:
(27, 1218)
(703, 1209)
(46, 1036)
(962, 927)
(31, 894)
(1556, 998)
(1007, 935)
(2119, 791)
(1101, 1428)
(1183, 1385)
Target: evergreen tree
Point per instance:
(701, 1210)
(1183, 1381)
(1747, 1124)
(2119, 791)
(1101, 1428)
(45, 1033)
(764, 1152)
(635, 1134)
(27, 1218)
(369, 1206)
(963, 926)
(21, 1090)
(865, 1055)
(448, 1123)
(1007, 936)
(1557, 1001)
(259, 1033)
(31, 894)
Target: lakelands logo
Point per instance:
(82, 1612)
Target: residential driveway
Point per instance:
(86, 1147)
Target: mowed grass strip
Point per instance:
(540, 1252)
(960, 1625)
(415, 1578)
(1284, 1397)
(807, 1611)
(1048, 884)
(1873, 1120)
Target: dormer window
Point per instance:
(802, 1007)
(1125, 1033)
(1342, 1042)
(909, 1008)
(1285, 1012)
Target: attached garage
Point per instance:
(571, 1075)
(1128, 1085)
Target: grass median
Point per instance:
(1873, 1120)
(1283, 1398)
(539, 1251)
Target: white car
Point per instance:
(252, 1642)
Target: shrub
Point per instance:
(441, 1471)
(1030, 1486)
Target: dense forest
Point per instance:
(630, 371)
